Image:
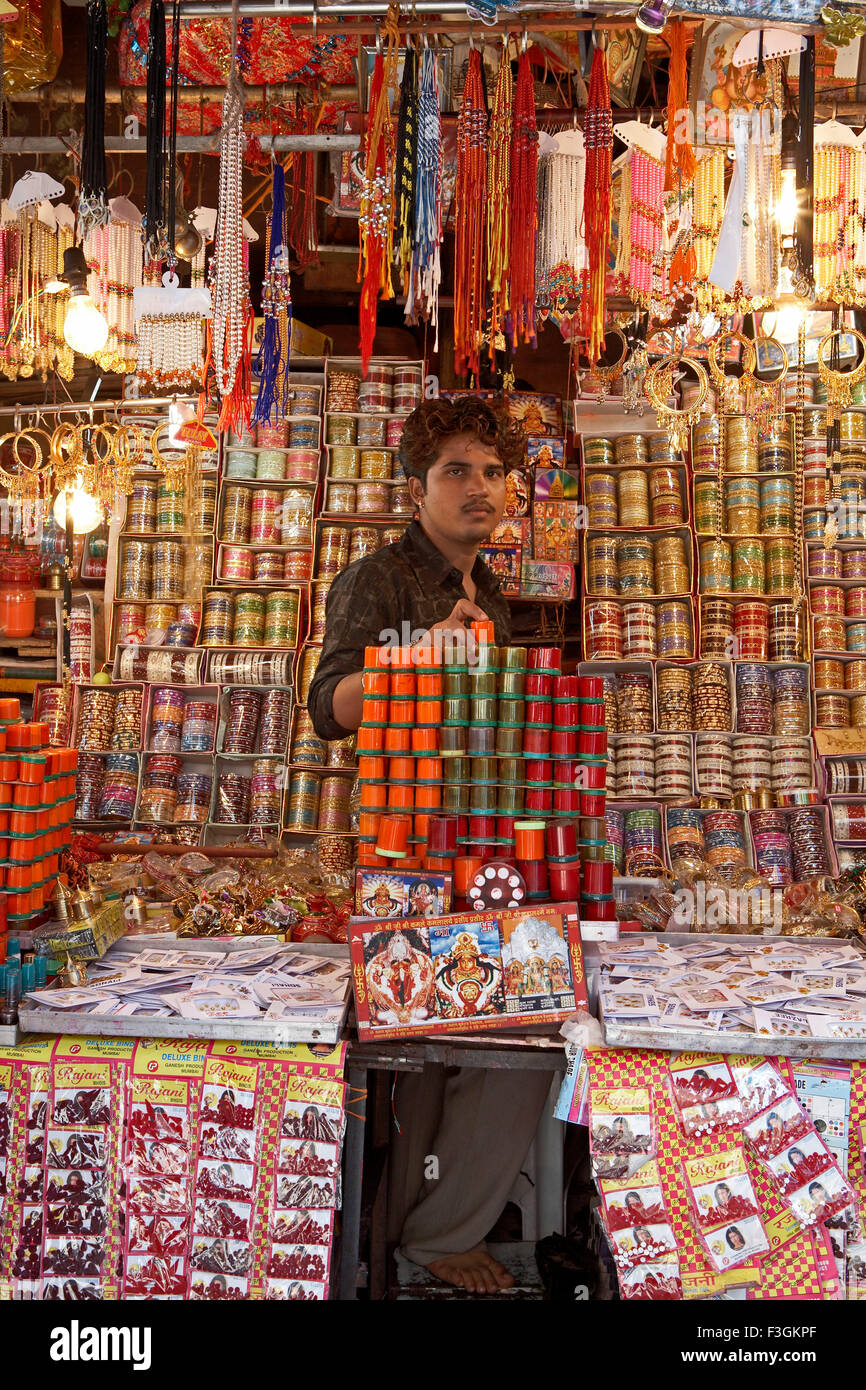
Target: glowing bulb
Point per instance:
(84, 327)
(787, 324)
(84, 511)
(786, 211)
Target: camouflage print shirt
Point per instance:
(409, 582)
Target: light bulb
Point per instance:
(84, 327)
(85, 511)
(787, 324)
(786, 211)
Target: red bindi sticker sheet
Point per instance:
(165, 1088)
(705, 1094)
(640, 1234)
(169, 1169)
(727, 1215)
(226, 1182)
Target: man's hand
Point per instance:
(463, 612)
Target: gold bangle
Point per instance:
(776, 381)
(97, 432)
(838, 383)
(677, 422)
(728, 388)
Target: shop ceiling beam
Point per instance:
(60, 92)
(186, 144)
(331, 16)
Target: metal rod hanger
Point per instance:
(69, 92)
(329, 16)
(34, 408)
(324, 14)
(186, 144)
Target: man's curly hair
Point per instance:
(433, 422)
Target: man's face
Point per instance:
(465, 495)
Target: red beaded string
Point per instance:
(598, 138)
(470, 278)
(499, 197)
(524, 207)
(378, 199)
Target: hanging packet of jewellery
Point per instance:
(164, 1091)
(226, 1181)
(640, 1235)
(622, 1131)
(705, 1096)
(727, 1216)
(759, 1083)
(24, 1083)
(799, 1164)
(82, 1165)
(306, 1187)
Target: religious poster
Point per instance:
(401, 893)
(467, 972)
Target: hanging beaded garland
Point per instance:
(232, 311)
(499, 197)
(561, 255)
(425, 271)
(405, 163)
(524, 214)
(598, 134)
(471, 204)
(272, 366)
(377, 198)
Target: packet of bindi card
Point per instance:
(701, 1077)
(622, 1130)
(636, 1220)
(759, 1083)
(704, 1094)
(776, 1128)
(809, 1182)
(727, 1215)
(653, 1283)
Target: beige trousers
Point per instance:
(473, 1127)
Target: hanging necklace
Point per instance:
(524, 212)
(232, 310)
(561, 247)
(646, 223)
(272, 402)
(499, 197)
(598, 134)
(153, 222)
(405, 164)
(93, 198)
(425, 273)
(377, 198)
(471, 205)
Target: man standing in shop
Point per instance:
(476, 1123)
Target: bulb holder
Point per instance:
(75, 270)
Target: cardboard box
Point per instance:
(91, 938)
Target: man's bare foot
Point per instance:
(475, 1271)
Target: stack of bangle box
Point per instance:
(364, 419)
(316, 805)
(638, 553)
(502, 757)
(109, 718)
(745, 522)
(267, 495)
(37, 794)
